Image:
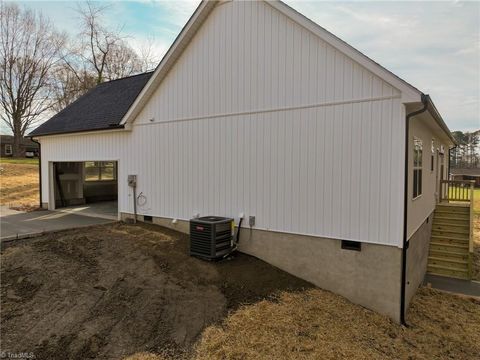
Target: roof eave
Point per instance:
(173, 53)
(115, 128)
(438, 119)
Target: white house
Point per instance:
(255, 109)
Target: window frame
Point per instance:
(432, 159)
(100, 165)
(417, 168)
(10, 149)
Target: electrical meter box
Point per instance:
(132, 180)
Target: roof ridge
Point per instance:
(124, 78)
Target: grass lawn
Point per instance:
(10, 160)
(19, 183)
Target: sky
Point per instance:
(435, 46)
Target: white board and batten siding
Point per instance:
(260, 116)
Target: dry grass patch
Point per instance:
(317, 324)
(18, 184)
(145, 356)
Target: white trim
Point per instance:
(408, 92)
(262, 111)
(108, 160)
(51, 183)
(51, 187)
(173, 53)
(81, 133)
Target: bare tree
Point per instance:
(147, 56)
(29, 50)
(70, 84)
(101, 54)
(104, 50)
(466, 153)
(121, 61)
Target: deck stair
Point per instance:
(450, 252)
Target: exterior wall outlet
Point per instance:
(251, 220)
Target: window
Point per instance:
(8, 149)
(417, 167)
(100, 171)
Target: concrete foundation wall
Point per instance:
(370, 277)
(417, 258)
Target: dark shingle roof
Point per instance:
(103, 107)
(465, 171)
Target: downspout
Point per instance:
(39, 171)
(449, 159)
(405, 211)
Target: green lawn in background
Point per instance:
(10, 160)
(476, 201)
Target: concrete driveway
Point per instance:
(17, 224)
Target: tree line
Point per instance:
(467, 153)
(42, 70)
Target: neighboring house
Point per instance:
(28, 147)
(257, 110)
(466, 174)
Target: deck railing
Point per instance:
(460, 191)
(456, 190)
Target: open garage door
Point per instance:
(88, 187)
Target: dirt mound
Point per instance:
(116, 290)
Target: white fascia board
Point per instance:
(173, 53)
(82, 133)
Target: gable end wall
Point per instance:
(261, 117)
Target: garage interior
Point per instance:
(86, 188)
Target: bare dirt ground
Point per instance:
(19, 185)
(123, 291)
(110, 291)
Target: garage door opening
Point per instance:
(87, 188)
